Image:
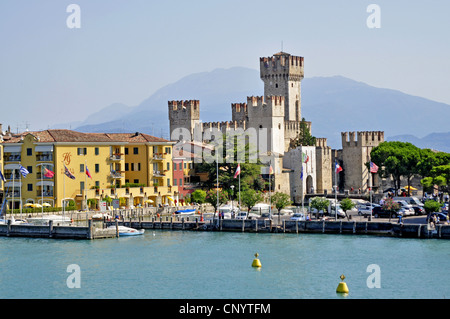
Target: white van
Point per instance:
(261, 209)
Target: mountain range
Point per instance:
(333, 104)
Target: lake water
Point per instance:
(204, 265)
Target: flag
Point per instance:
(238, 171)
(23, 171)
(338, 167)
(88, 173)
(373, 167)
(68, 173)
(48, 173)
(301, 174)
(305, 158)
(2, 177)
(270, 170)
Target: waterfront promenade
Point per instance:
(83, 226)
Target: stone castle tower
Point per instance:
(282, 75)
(183, 115)
(356, 150)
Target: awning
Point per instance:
(44, 148)
(12, 149)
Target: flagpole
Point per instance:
(239, 186)
(12, 203)
(85, 183)
(303, 190)
(270, 191)
(217, 182)
(64, 192)
(20, 194)
(42, 191)
(335, 191)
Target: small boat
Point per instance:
(185, 211)
(128, 231)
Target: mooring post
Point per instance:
(50, 229)
(8, 228)
(117, 228)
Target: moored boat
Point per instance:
(128, 231)
(185, 212)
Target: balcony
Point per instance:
(12, 157)
(13, 194)
(158, 156)
(47, 193)
(159, 174)
(115, 157)
(116, 174)
(44, 157)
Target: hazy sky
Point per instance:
(126, 50)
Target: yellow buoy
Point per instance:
(256, 262)
(342, 287)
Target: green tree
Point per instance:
(198, 196)
(429, 168)
(250, 197)
(431, 206)
(281, 200)
(304, 136)
(347, 204)
(319, 203)
(211, 197)
(397, 159)
(233, 153)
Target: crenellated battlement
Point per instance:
(260, 101)
(362, 138)
(239, 112)
(224, 125)
(321, 142)
(188, 109)
(282, 64)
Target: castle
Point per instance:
(275, 118)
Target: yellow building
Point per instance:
(114, 161)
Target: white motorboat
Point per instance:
(127, 231)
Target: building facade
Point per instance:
(135, 166)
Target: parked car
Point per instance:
(419, 210)
(378, 212)
(406, 208)
(340, 212)
(298, 216)
(366, 209)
